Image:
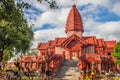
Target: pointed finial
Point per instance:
(74, 5)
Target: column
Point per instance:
(78, 54)
(70, 55)
(99, 67)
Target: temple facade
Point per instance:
(87, 49)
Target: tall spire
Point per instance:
(74, 21)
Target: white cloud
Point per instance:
(64, 3)
(57, 18)
(106, 30)
(95, 2)
(48, 34)
(45, 35)
(116, 9)
(44, 6)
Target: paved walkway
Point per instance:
(68, 71)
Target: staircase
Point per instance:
(68, 71)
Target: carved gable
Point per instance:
(71, 44)
(73, 40)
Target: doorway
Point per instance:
(74, 55)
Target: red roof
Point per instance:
(100, 42)
(59, 41)
(73, 39)
(110, 44)
(51, 43)
(42, 46)
(74, 21)
(75, 47)
(90, 40)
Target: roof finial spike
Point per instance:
(73, 5)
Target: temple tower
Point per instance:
(74, 23)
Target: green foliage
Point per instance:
(117, 47)
(14, 29)
(52, 4)
(116, 53)
(8, 54)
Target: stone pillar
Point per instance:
(99, 67)
(64, 54)
(77, 55)
(70, 55)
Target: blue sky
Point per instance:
(101, 18)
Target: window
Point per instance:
(109, 53)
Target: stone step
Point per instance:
(66, 79)
(68, 71)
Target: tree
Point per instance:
(14, 30)
(116, 53)
(15, 34)
(52, 4)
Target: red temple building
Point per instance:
(76, 46)
(88, 50)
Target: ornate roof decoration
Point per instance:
(74, 39)
(74, 20)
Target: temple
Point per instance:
(77, 46)
(88, 50)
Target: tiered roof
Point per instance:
(51, 43)
(110, 44)
(74, 21)
(91, 40)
